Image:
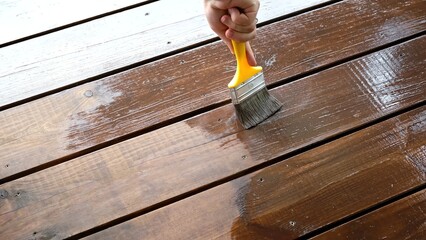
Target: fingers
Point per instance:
(240, 20)
(241, 25)
(234, 19)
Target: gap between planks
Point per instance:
(298, 196)
(102, 52)
(403, 219)
(365, 213)
(284, 68)
(60, 16)
(85, 180)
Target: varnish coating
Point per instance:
(156, 151)
(404, 219)
(90, 114)
(157, 166)
(300, 194)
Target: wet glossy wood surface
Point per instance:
(23, 18)
(156, 166)
(83, 117)
(155, 152)
(300, 194)
(103, 45)
(404, 219)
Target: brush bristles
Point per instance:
(256, 108)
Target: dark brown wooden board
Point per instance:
(301, 194)
(84, 51)
(20, 18)
(133, 175)
(404, 219)
(59, 126)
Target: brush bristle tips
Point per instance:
(257, 108)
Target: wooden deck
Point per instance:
(116, 122)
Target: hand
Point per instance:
(234, 19)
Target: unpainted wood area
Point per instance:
(24, 18)
(301, 194)
(103, 45)
(160, 165)
(404, 219)
(90, 114)
(117, 124)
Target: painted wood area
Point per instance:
(88, 115)
(157, 166)
(117, 124)
(85, 51)
(300, 194)
(404, 219)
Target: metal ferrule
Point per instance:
(247, 88)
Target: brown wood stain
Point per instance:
(300, 194)
(404, 219)
(138, 99)
(145, 144)
(160, 165)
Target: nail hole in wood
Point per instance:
(6, 166)
(169, 42)
(146, 14)
(3, 194)
(17, 194)
(261, 180)
(88, 93)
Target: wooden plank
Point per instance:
(58, 126)
(23, 18)
(65, 57)
(301, 194)
(130, 176)
(404, 219)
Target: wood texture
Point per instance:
(294, 197)
(404, 219)
(80, 118)
(23, 18)
(74, 54)
(99, 187)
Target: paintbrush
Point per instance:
(252, 101)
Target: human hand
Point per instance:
(234, 19)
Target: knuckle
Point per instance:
(251, 28)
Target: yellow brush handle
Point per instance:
(244, 70)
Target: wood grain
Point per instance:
(404, 219)
(58, 126)
(74, 54)
(133, 175)
(292, 198)
(23, 18)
